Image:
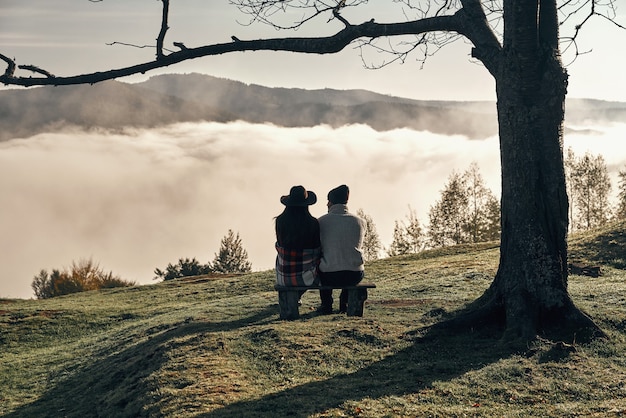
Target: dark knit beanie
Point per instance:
(339, 195)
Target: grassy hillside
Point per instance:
(214, 347)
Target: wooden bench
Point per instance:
(289, 296)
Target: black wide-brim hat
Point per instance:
(299, 196)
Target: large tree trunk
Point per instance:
(529, 294)
(531, 284)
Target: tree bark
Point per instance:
(529, 293)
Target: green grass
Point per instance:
(214, 347)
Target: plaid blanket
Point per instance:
(297, 267)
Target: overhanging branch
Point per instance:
(311, 45)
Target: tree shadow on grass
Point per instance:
(117, 384)
(435, 356)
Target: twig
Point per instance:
(35, 69)
(10, 65)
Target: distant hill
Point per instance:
(299, 107)
(172, 98)
(109, 105)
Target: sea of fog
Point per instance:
(140, 199)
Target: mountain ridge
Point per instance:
(173, 98)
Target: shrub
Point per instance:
(82, 276)
(231, 258)
(184, 268)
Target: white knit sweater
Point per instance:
(341, 234)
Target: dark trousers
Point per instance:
(338, 278)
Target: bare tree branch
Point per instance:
(10, 65)
(589, 9)
(164, 28)
(311, 45)
(141, 46)
(35, 69)
(267, 11)
(436, 24)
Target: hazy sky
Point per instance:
(70, 36)
(138, 200)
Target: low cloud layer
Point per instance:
(139, 200)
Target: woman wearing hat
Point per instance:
(297, 240)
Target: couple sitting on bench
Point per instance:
(324, 251)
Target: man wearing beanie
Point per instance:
(341, 235)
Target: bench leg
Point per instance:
(356, 299)
(288, 303)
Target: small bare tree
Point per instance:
(449, 215)
(620, 212)
(590, 187)
(483, 208)
(371, 240)
(400, 241)
(408, 236)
